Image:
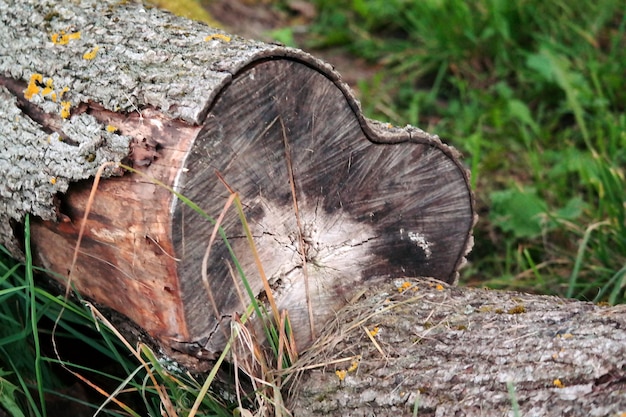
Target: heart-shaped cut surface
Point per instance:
(334, 203)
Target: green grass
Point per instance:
(33, 376)
(31, 319)
(532, 93)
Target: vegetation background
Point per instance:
(532, 92)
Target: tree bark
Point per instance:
(334, 202)
(461, 351)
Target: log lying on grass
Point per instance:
(335, 202)
(459, 351)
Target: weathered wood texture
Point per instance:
(332, 199)
(456, 351)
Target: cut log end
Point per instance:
(333, 201)
(330, 208)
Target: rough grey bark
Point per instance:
(462, 351)
(138, 65)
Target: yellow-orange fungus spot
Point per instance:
(33, 86)
(219, 36)
(405, 286)
(353, 366)
(48, 89)
(53, 96)
(65, 90)
(557, 383)
(341, 374)
(63, 38)
(111, 128)
(53, 180)
(374, 331)
(65, 109)
(91, 54)
(439, 287)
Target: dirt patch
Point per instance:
(257, 19)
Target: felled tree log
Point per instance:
(334, 202)
(445, 351)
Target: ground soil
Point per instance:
(256, 19)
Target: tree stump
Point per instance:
(335, 202)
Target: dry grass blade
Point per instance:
(68, 286)
(207, 253)
(373, 340)
(352, 318)
(292, 183)
(81, 232)
(255, 253)
(165, 399)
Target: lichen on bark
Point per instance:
(36, 165)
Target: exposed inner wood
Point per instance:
(366, 209)
(126, 258)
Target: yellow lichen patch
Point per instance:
(53, 180)
(439, 287)
(354, 365)
(91, 54)
(405, 286)
(65, 109)
(112, 129)
(33, 86)
(374, 331)
(48, 89)
(63, 38)
(557, 383)
(341, 374)
(219, 36)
